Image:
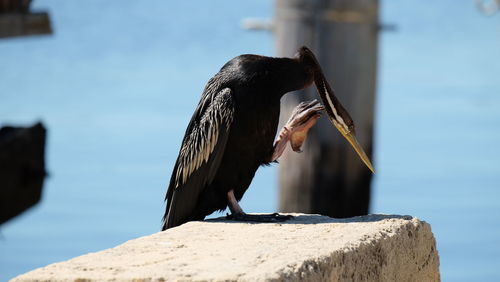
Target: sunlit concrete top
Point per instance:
(306, 248)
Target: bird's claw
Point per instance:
(303, 117)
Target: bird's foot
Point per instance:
(303, 117)
(269, 218)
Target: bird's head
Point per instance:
(337, 114)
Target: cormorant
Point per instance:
(233, 128)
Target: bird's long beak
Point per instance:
(361, 153)
(339, 116)
(336, 112)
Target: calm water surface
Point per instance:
(117, 82)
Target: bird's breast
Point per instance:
(253, 132)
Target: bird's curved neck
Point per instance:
(292, 75)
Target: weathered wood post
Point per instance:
(22, 168)
(329, 178)
(16, 19)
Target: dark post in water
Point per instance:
(329, 178)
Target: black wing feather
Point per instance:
(200, 154)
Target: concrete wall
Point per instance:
(307, 248)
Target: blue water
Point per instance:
(107, 85)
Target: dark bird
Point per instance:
(233, 128)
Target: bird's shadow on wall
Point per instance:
(317, 219)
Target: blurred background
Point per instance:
(117, 81)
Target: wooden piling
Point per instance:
(329, 178)
(16, 19)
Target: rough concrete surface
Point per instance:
(306, 248)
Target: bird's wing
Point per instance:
(200, 155)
